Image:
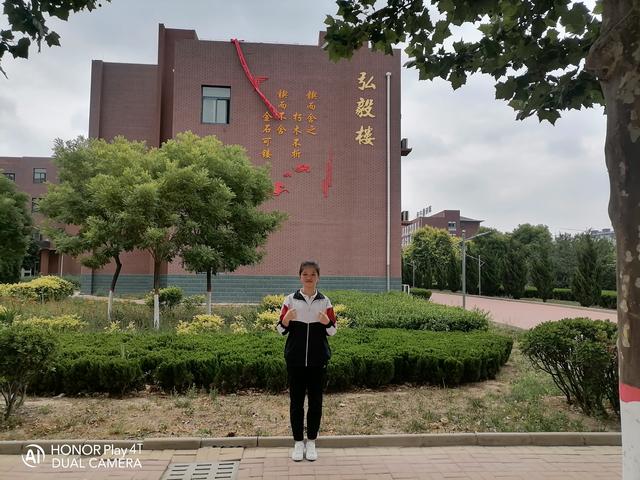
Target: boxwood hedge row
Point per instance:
(119, 362)
(399, 310)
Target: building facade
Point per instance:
(31, 175)
(328, 153)
(449, 220)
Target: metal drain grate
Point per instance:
(202, 471)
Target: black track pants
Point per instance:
(309, 381)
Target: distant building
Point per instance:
(30, 175)
(449, 220)
(607, 233)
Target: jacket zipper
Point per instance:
(306, 351)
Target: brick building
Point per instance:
(329, 154)
(449, 220)
(30, 175)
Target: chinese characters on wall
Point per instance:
(301, 123)
(364, 109)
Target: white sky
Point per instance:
(469, 153)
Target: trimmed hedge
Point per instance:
(608, 298)
(120, 362)
(399, 310)
(40, 289)
(421, 293)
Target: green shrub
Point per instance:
(609, 299)
(42, 289)
(266, 320)
(227, 362)
(25, 352)
(421, 293)
(74, 280)
(563, 294)
(8, 315)
(168, 297)
(201, 324)
(62, 323)
(399, 310)
(272, 303)
(193, 301)
(581, 356)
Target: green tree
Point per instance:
(564, 259)
(537, 243)
(32, 257)
(515, 269)
(15, 230)
(542, 273)
(454, 271)
(431, 250)
(491, 249)
(586, 281)
(225, 228)
(97, 209)
(27, 22)
(607, 260)
(545, 56)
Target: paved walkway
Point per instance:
(389, 463)
(522, 314)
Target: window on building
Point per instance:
(39, 175)
(34, 204)
(452, 225)
(10, 176)
(216, 103)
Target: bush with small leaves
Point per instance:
(25, 352)
(200, 324)
(42, 289)
(267, 320)
(168, 297)
(272, 303)
(581, 356)
(61, 323)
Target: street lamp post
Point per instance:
(464, 265)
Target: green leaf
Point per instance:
(549, 115)
(52, 39)
(21, 49)
(506, 89)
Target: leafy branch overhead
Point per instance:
(28, 22)
(534, 49)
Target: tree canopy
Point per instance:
(15, 230)
(28, 22)
(534, 49)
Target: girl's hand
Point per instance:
(290, 315)
(323, 318)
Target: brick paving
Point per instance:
(407, 463)
(522, 314)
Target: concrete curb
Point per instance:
(546, 439)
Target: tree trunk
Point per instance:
(156, 294)
(208, 291)
(112, 289)
(615, 59)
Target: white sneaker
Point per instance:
(298, 452)
(311, 453)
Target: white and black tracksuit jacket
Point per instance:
(307, 343)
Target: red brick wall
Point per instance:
(127, 101)
(345, 232)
